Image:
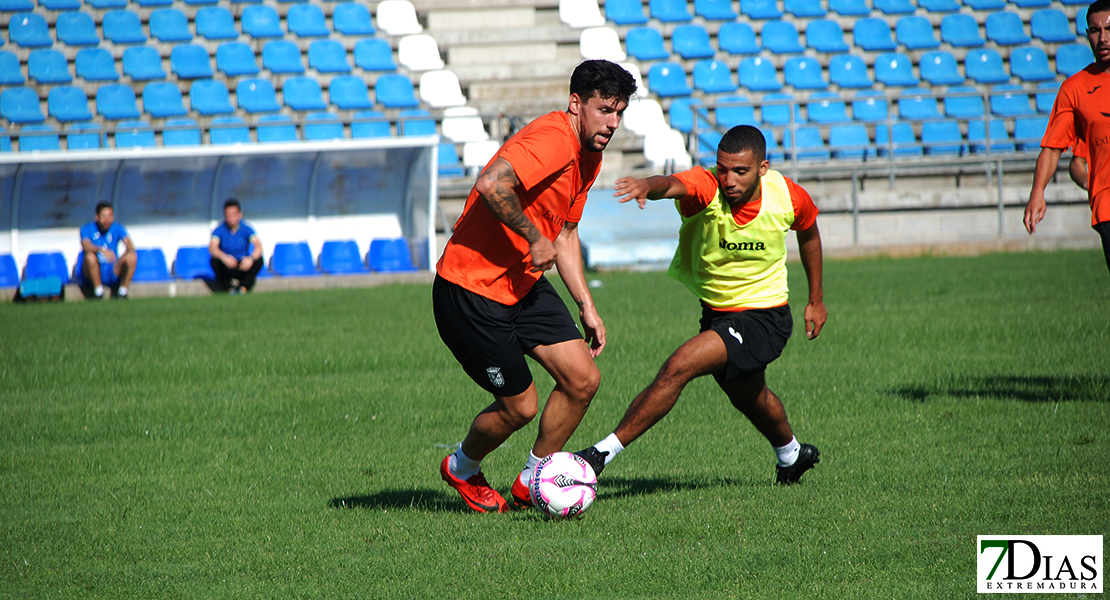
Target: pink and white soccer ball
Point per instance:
(563, 485)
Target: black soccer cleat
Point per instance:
(595, 457)
(808, 456)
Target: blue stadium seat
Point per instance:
(29, 30)
(20, 105)
(1030, 3)
(5, 143)
(780, 37)
(916, 33)
(1010, 101)
(849, 71)
(714, 10)
(895, 69)
(193, 263)
(825, 36)
(940, 68)
(134, 134)
(850, 142)
(235, 59)
(1046, 96)
(761, 9)
(280, 56)
(97, 64)
(416, 121)
(349, 92)
(984, 65)
(669, 11)
(645, 43)
(904, 140)
(293, 259)
(939, 6)
(60, 4)
(328, 56)
(9, 273)
(325, 126)
(10, 71)
(154, 3)
(942, 138)
(303, 93)
(776, 109)
(1000, 142)
(774, 151)
(1073, 58)
(964, 103)
(76, 29)
(682, 111)
(805, 9)
(46, 264)
(374, 55)
(38, 137)
(735, 110)
(150, 265)
(850, 8)
(48, 66)
(352, 18)
(713, 77)
(140, 63)
(229, 130)
(809, 145)
(894, 7)
(169, 25)
(826, 107)
(1028, 132)
(209, 97)
(122, 27)
(216, 23)
(708, 141)
(306, 20)
(917, 104)
(873, 35)
(985, 5)
(16, 5)
(276, 129)
(190, 61)
(869, 106)
(116, 101)
(162, 100)
(804, 73)
(1030, 63)
(668, 79)
(759, 75)
(180, 132)
(1081, 22)
(395, 91)
(68, 103)
(85, 136)
(1006, 28)
(1051, 27)
(625, 12)
(390, 255)
(342, 257)
(734, 38)
(448, 161)
(256, 95)
(106, 4)
(960, 30)
(691, 42)
(370, 124)
(260, 21)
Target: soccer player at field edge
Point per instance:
(101, 262)
(491, 301)
(1081, 115)
(236, 251)
(732, 255)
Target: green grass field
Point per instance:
(287, 445)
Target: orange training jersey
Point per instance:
(555, 172)
(701, 190)
(1082, 113)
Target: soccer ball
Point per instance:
(563, 485)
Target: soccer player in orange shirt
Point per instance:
(1081, 116)
(492, 304)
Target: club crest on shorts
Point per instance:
(495, 376)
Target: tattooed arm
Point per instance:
(496, 188)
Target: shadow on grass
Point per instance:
(1027, 388)
(623, 487)
(427, 500)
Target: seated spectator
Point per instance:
(101, 263)
(236, 251)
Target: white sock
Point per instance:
(462, 466)
(99, 291)
(611, 445)
(529, 466)
(123, 290)
(788, 454)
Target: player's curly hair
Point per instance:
(744, 138)
(604, 78)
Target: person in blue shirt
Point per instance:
(101, 262)
(236, 251)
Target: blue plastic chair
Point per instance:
(668, 79)
(395, 91)
(283, 57)
(1006, 28)
(804, 73)
(38, 137)
(869, 106)
(96, 64)
(942, 138)
(9, 273)
(150, 265)
(1046, 96)
(940, 68)
(1010, 101)
(781, 37)
(76, 29)
(734, 38)
(1028, 132)
(390, 256)
(46, 264)
(682, 112)
(349, 92)
(235, 59)
(984, 5)
(939, 6)
(275, 129)
(341, 258)
(713, 77)
(106, 4)
(134, 134)
(850, 8)
(691, 42)
(374, 55)
(193, 263)
(303, 93)
(826, 107)
(776, 112)
(895, 69)
(714, 10)
(209, 97)
(1081, 22)
(670, 11)
(916, 33)
(169, 25)
(85, 136)
(29, 30)
(1073, 58)
(21, 105)
(894, 7)
(256, 95)
(1000, 142)
(969, 106)
(625, 12)
(809, 146)
(48, 66)
(181, 132)
(1030, 3)
(369, 124)
(735, 110)
(917, 104)
(14, 5)
(328, 56)
(10, 71)
(229, 130)
(1030, 63)
(984, 65)
(774, 152)
(849, 71)
(905, 142)
(293, 259)
(761, 9)
(759, 75)
(216, 23)
(116, 102)
(416, 122)
(140, 63)
(805, 9)
(352, 19)
(190, 61)
(850, 142)
(960, 30)
(163, 100)
(825, 36)
(122, 27)
(645, 43)
(1051, 27)
(60, 4)
(68, 103)
(260, 21)
(306, 20)
(873, 35)
(449, 165)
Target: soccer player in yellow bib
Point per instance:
(732, 255)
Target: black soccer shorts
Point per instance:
(490, 339)
(754, 338)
